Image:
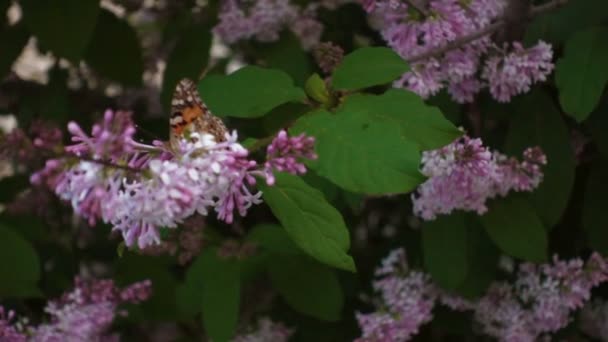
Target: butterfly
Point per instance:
(190, 114)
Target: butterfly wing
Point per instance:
(190, 114)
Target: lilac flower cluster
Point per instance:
(541, 300)
(264, 20)
(465, 174)
(266, 330)
(284, 153)
(408, 298)
(10, 329)
(415, 31)
(84, 314)
(139, 188)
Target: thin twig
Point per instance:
(536, 10)
(420, 8)
(100, 162)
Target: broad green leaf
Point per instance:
(368, 66)
(360, 154)
(19, 265)
(513, 225)
(132, 268)
(12, 41)
(444, 243)
(115, 52)
(482, 260)
(273, 238)
(221, 295)
(307, 286)
(418, 122)
(188, 59)
(582, 73)
(536, 121)
(557, 26)
(63, 26)
(372, 143)
(312, 223)
(249, 92)
(594, 208)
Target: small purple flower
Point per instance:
(465, 174)
(408, 298)
(110, 140)
(284, 153)
(83, 314)
(515, 72)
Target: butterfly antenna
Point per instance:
(204, 73)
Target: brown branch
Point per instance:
(535, 11)
(419, 7)
(100, 162)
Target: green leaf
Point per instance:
(307, 286)
(594, 209)
(361, 154)
(221, 294)
(12, 41)
(249, 92)
(537, 122)
(482, 260)
(369, 66)
(444, 243)
(312, 223)
(582, 73)
(187, 60)
(63, 26)
(19, 265)
(513, 225)
(273, 238)
(371, 144)
(557, 26)
(316, 89)
(418, 122)
(115, 52)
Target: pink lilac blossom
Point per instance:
(540, 301)
(285, 153)
(408, 298)
(83, 314)
(264, 20)
(466, 70)
(10, 329)
(266, 330)
(465, 174)
(514, 72)
(593, 319)
(139, 188)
